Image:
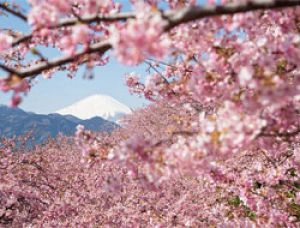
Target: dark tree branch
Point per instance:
(22, 39)
(8, 69)
(279, 134)
(100, 48)
(34, 70)
(18, 14)
(96, 18)
(176, 17)
(188, 14)
(87, 20)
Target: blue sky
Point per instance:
(52, 94)
(47, 96)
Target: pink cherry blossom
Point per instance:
(5, 42)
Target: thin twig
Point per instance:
(159, 73)
(18, 14)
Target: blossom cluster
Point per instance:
(18, 86)
(5, 42)
(140, 37)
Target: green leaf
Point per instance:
(235, 201)
(294, 209)
(290, 194)
(249, 213)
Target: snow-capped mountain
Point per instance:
(96, 105)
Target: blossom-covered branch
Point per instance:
(194, 13)
(171, 19)
(99, 48)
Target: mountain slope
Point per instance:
(18, 122)
(96, 106)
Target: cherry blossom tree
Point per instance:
(224, 82)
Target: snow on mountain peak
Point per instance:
(96, 105)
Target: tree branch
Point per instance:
(18, 14)
(279, 134)
(177, 17)
(123, 16)
(87, 20)
(8, 69)
(21, 39)
(100, 48)
(34, 70)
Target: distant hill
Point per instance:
(16, 122)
